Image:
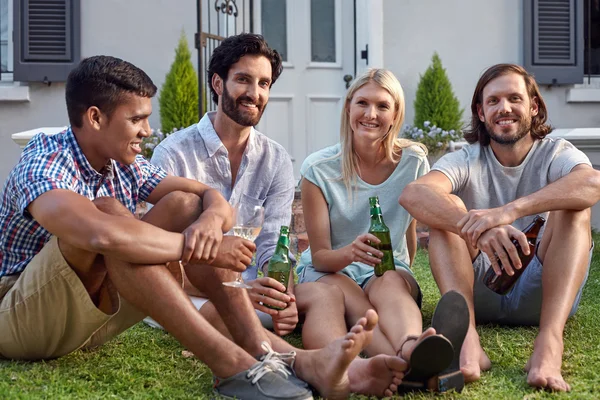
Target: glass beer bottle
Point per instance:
(279, 266)
(380, 230)
(502, 283)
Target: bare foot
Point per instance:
(473, 359)
(327, 369)
(376, 376)
(543, 367)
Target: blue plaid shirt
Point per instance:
(57, 162)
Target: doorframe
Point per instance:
(368, 28)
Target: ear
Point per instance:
(94, 118)
(535, 107)
(217, 84)
(480, 113)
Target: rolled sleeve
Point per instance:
(152, 175)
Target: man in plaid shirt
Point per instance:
(76, 267)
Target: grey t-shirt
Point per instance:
(481, 182)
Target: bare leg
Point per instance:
(233, 306)
(451, 261)
(322, 306)
(356, 304)
(399, 315)
(564, 252)
(140, 285)
(378, 375)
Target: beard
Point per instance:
(524, 128)
(231, 108)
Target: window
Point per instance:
(591, 34)
(274, 25)
(323, 31)
(6, 48)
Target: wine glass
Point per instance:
(248, 223)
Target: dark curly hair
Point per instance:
(103, 81)
(478, 132)
(235, 47)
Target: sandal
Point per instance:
(451, 319)
(430, 356)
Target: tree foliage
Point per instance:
(435, 100)
(178, 98)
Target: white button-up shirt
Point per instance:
(265, 176)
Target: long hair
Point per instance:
(478, 132)
(104, 82)
(235, 47)
(391, 143)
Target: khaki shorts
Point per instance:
(46, 312)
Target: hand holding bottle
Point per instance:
(361, 250)
(502, 280)
(498, 244)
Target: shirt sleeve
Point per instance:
(163, 159)
(455, 166)
(278, 207)
(567, 158)
(151, 176)
(41, 174)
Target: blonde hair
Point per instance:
(392, 144)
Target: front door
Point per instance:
(316, 40)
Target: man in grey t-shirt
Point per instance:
(477, 200)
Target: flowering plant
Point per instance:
(434, 138)
(149, 143)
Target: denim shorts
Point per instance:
(522, 305)
(310, 274)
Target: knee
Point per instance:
(391, 281)
(317, 294)
(566, 219)
(112, 206)
(182, 202)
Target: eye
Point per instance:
(242, 79)
(135, 120)
(265, 84)
(384, 107)
(492, 101)
(361, 102)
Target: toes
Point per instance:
(388, 393)
(372, 319)
(357, 329)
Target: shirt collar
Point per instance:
(213, 142)
(87, 171)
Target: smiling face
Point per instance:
(371, 111)
(244, 95)
(120, 136)
(506, 109)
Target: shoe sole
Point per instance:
(451, 319)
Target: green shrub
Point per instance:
(178, 98)
(435, 100)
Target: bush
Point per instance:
(178, 98)
(435, 101)
(435, 138)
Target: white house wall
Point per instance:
(144, 32)
(469, 36)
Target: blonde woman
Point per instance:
(370, 160)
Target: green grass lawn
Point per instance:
(147, 363)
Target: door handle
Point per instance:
(348, 78)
